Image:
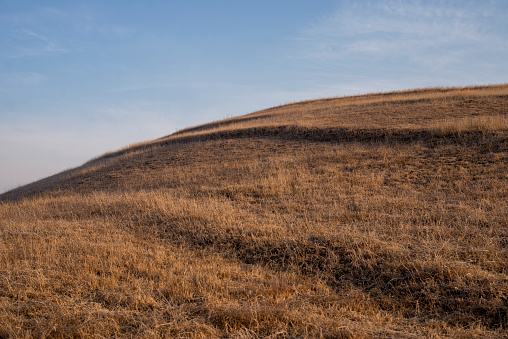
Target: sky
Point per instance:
(80, 78)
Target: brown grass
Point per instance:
(382, 215)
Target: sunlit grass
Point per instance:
(372, 216)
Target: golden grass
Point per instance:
(385, 216)
(481, 123)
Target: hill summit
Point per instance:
(379, 215)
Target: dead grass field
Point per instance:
(375, 216)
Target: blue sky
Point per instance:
(79, 78)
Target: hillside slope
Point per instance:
(381, 215)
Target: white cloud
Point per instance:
(46, 31)
(409, 43)
(399, 28)
(34, 44)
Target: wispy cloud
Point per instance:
(430, 33)
(34, 43)
(395, 44)
(85, 21)
(47, 31)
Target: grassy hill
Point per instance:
(381, 215)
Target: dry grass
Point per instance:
(372, 216)
(481, 123)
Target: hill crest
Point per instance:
(376, 216)
(435, 115)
